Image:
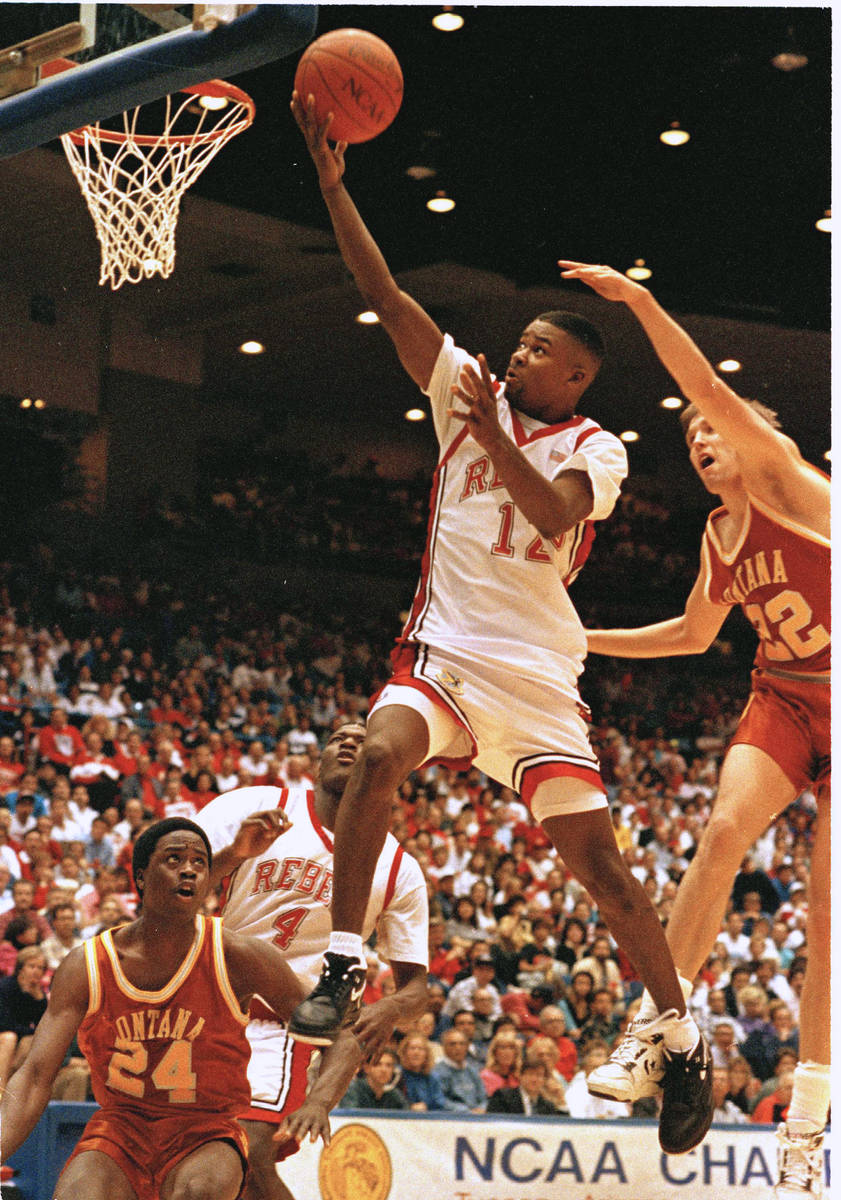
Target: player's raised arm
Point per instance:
(254, 836)
(691, 633)
(765, 454)
(416, 337)
(29, 1089)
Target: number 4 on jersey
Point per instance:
(287, 926)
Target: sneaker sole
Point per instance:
(313, 1039)
(605, 1094)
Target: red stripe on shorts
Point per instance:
(534, 776)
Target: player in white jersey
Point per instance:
(273, 852)
(486, 670)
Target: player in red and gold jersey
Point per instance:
(160, 1008)
(766, 549)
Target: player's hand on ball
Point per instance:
(610, 284)
(476, 392)
(329, 161)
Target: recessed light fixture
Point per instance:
(447, 21)
(252, 348)
(39, 403)
(421, 172)
(674, 135)
(26, 402)
(824, 223)
(730, 364)
(828, 455)
(441, 203)
(639, 270)
(415, 414)
(369, 317)
(671, 402)
(629, 435)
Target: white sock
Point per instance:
(649, 1010)
(349, 944)
(681, 1034)
(809, 1105)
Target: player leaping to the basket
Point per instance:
(766, 549)
(487, 665)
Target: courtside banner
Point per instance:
(437, 1157)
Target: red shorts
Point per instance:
(146, 1147)
(790, 720)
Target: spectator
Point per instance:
(724, 1047)
(20, 932)
(576, 1002)
(602, 967)
(526, 1098)
(580, 1104)
(762, 1046)
(376, 1085)
(98, 847)
(725, 1112)
(461, 1083)
(773, 1109)
(786, 1062)
(60, 743)
(420, 1086)
(64, 937)
(461, 994)
(744, 1086)
(603, 1023)
(572, 945)
(22, 1004)
(23, 897)
(553, 1026)
(504, 1059)
(739, 978)
(554, 1087)
(484, 1021)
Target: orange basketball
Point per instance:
(354, 75)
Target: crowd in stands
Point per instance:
(125, 699)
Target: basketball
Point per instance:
(357, 77)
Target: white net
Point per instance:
(133, 183)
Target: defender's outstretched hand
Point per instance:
(329, 161)
(610, 284)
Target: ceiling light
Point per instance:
(39, 403)
(369, 317)
(730, 364)
(252, 348)
(828, 455)
(790, 56)
(629, 435)
(421, 172)
(213, 103)
(671, 402)
(639, 270)
(447, 21)
(415, 414)
(824, 223)
(440, 203)
(674, 135)
(26, 402)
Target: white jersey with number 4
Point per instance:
(491, 587)
(283, 895)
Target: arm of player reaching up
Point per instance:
(691, 633)
(416, 337)
(29, 1089)
(770, 462)
(254, 836)
(552, 506)
(377, 1021)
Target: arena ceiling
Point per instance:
(542, 122)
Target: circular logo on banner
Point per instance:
(355, 1166)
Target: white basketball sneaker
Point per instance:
(637, 1064)
(800, 1163)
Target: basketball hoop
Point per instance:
(133, 182)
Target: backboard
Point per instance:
(127, 55)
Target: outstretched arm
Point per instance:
(377, 1021)
(416, 337)
(691, 633)
(771, 464)
(29, 1088)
